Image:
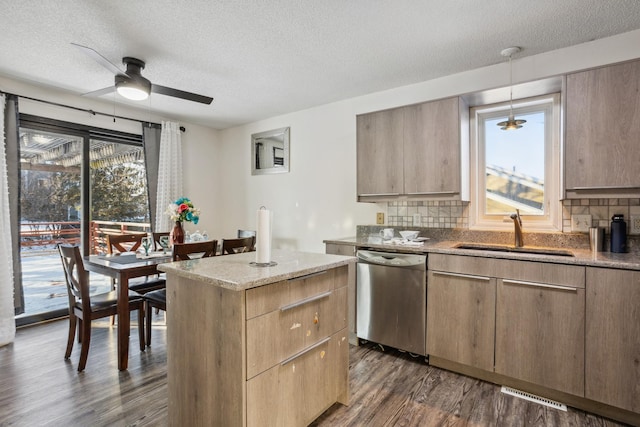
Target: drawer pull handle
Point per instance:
(605, 187)
(540, 285)
(378, 194)
(465, 276)
(303, 352)
(426, 193)
(318, 273)
(305, 301)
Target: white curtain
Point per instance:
(169, 174)
(7, 320)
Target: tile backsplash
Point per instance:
(455, 214)
(601, 211)
(433, 214)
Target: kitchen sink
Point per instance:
(523, 250)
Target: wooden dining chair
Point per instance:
(248, 233)
(181, 252)
(156, 239)
(118, 243)
(83, 307)
(236, 246)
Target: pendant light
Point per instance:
(511, 123)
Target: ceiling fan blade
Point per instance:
(176, 93)
(100, 59)
(100, 92)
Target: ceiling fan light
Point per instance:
(132, 91)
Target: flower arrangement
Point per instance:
(183, 210)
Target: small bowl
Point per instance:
(409, 234)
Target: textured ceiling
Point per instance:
(259, 59)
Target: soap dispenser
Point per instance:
(618, 234)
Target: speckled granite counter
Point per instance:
(236, 273)
(628, 261)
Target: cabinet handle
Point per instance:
(379, 194)
(306, 276)
(466, 276)
(426, 193)
(606, 187)
(303, 352)
(305, 301)
(540, 285)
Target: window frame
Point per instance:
(551, 220)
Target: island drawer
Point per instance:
(281, 333)
(265, 299)
(297, 390)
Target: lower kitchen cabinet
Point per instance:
(540, 311)
(613, 338)
(297, 390)
(460, 313)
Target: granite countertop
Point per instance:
(627, 261)
(235, 272)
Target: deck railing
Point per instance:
(47, 234)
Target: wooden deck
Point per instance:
(39, 388)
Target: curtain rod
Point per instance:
(93, 113)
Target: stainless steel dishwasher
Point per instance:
(392, 299)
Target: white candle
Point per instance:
(263, 236)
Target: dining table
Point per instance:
(124, 267)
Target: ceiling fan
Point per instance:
(131, 84)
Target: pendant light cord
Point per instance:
(510, 89)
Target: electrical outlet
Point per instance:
(380, 218)
(634, 224)
(417, 220)
(580, 223)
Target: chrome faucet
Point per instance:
(517, 223)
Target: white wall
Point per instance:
(317, 199)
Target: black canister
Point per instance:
(618, 234)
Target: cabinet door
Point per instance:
(540, 334)
(613, 338)
(461, 318)
(603, 128)
(432, 148)
(380, 153)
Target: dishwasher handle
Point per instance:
(391, 259)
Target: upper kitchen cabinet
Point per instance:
(415, 151)
(432, 148)
(602, 132)
(379, 153)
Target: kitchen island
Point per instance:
(249, 346)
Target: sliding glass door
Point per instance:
(77, 184)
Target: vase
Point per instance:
(177, 234)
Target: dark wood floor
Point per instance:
(39, 388)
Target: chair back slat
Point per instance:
(236, 246)
(76, 277)
(187, 251)
(117, 243)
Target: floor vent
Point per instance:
(533, 398)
